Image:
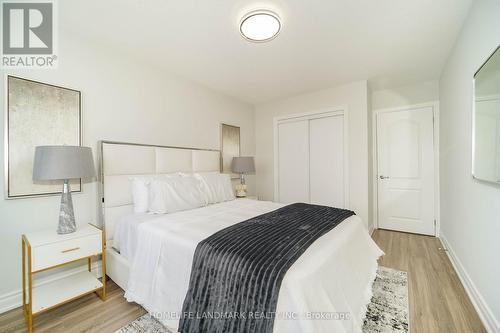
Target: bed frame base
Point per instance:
(117, 268)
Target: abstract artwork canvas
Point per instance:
(37, 114)
(230, 146)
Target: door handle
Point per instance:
(384, 177)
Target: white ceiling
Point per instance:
(323, 42)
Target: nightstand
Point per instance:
(251, 197)
(44, 250)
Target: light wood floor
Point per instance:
(438, 302)
(87, 314)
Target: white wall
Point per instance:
(470, 209)
(355, 97)
(123, 100)
(369, 124)
(421, 92)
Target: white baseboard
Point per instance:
(489, 321)
(13, 299)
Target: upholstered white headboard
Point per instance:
(119, 161)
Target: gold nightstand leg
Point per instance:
(24, 278)
(25, 307)
(102, 292)
(30, 294)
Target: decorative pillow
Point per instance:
(216, 186)
(173, 194)
(141, 191)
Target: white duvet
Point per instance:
(326, 289)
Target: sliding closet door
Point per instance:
(293, 161)
(326, 161)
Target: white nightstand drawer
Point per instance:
(46, 249)
(49, 255)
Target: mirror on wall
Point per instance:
(486, 131)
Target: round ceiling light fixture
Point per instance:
(260, 26)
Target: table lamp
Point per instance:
(242, 165)
(63, 163)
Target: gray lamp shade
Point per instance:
(243, 164)
(63, 162)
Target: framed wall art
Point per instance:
(37, 114)
(230, 147)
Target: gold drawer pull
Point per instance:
(69, 250)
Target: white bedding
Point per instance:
(333, 277)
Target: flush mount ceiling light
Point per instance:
(260, 26)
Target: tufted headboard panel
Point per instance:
(119, 161)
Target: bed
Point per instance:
(150, 256)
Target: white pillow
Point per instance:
(140, 193)
(168, 195)
(216, 186)
(140, 190)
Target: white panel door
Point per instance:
(405, 156)
(326, 161)
(293, 161)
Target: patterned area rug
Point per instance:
(387, 312)
(388, 309)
